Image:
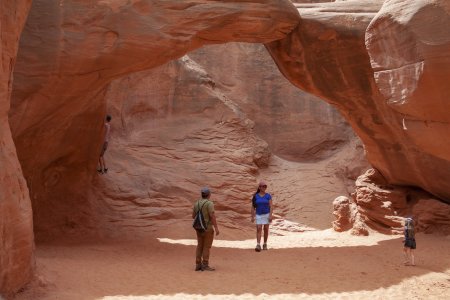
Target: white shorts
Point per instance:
(262, 219)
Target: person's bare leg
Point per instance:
(411, 251)
(100, 164)
(258, 237)
(405, 253)
(408, 255)
(258, 233)
(104, 164)
(266, 236)
(103, 168)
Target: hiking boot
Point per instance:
(264, 246)
(208, 268)
(258, 248)
(100, 171)
(198, 267)
(105, 170)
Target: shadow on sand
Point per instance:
(153, 268)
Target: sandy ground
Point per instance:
(313, 265)
(306, 259)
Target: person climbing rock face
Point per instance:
(106, 136)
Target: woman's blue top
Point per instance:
(263, 204)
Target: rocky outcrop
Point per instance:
(188, 123)
(177, 132)
(377, 205)
(394, 98)
(348, 217)
(297, 126)
(16, 233)
(376, 66)
(385, 71)
(409, 47)
(68, 54)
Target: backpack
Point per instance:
(409, 229)
(409, 232)
(199, 223)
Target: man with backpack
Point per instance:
(204, 221)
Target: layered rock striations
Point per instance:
(383, 64)
(385, 70)
(297, 126)
(188, 123)
(409, 47)
(16, 226)
(378, 205)
(70, 51)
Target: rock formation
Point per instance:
(386, 72)
(383, 64)
(16, 226)
(409, 47)
(188, 123)
(382, 207)
(69, 51)
(68, 54)
(296, 125)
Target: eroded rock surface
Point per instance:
(297, 126)
(328, 56)
(409, 47)
(385, 70)
(70, 51)
(16, 226)
(188, 123)
(382, 207)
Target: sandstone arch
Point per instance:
(63, 89)
(90, 42)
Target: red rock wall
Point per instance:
(383, 207)
(211, 118)
(296, 125)
(70, 51)
(16, 232)
(394, 97)
(409, 47)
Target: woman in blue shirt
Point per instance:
(262, 213)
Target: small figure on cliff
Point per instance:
(205, 237)
(262, 211)
(106, 135)
(409, 242)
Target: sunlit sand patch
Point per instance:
(221, 297)
(406, 288)
(285, 227)
(229, 297)
(318, 238)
